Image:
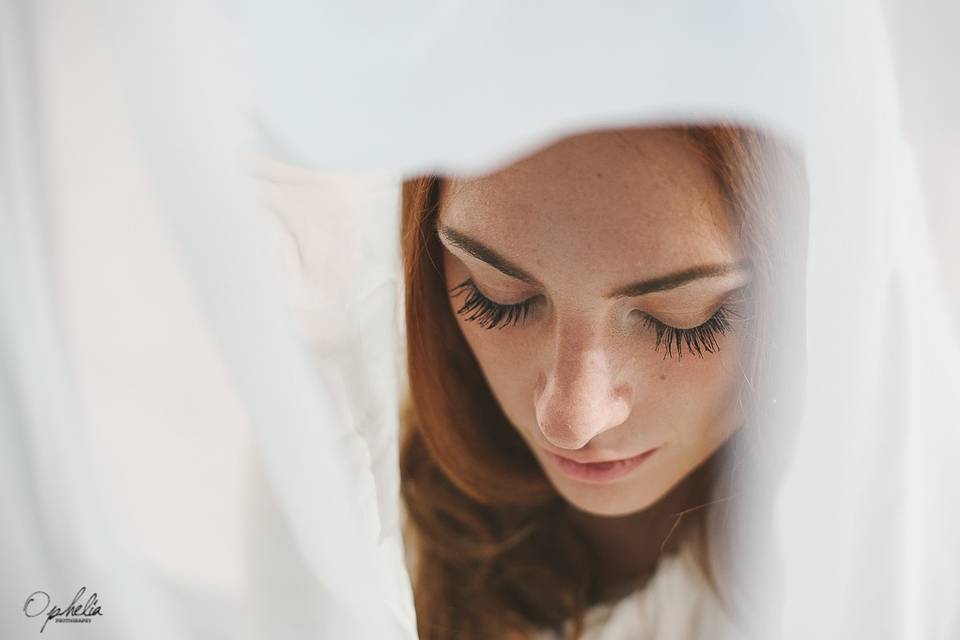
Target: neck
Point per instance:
(628, 547)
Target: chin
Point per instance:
(609, 501)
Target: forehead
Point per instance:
(634, 201)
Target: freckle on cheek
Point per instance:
(663, 376)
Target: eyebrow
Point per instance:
(651, 285)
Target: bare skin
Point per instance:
(582, 374)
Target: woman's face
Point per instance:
(589, 251)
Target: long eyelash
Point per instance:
(486, 312)
(697, 339)
(489, 314)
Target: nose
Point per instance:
(579, 395)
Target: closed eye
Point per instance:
(704, 337)
(484, 311)
(695, 340)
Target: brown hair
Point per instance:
(494, 555)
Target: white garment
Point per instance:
(676, 604)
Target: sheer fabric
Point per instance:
(200, 338)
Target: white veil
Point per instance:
(199, 285)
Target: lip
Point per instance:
(598, 472)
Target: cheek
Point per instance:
(507, 360)
(501, 352)
(698, 399)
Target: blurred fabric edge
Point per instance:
(169, 440)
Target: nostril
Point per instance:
(581, 393)
(565, 438)
(556, 421)
(564, 435)
(570, 417)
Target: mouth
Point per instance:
(598, 472)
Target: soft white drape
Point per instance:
(200, 332)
